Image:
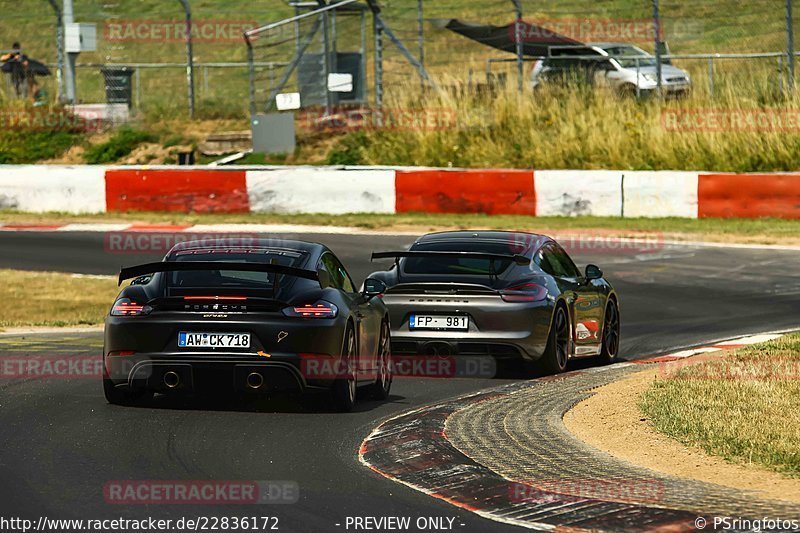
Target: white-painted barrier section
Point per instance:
(578, 192)
(660, 194)
(314, 190)
(39, 188)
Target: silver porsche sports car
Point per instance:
(507, 295)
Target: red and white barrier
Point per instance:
(91, 189)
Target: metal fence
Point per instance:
(717, 41)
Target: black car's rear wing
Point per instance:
(516, 258)
(188, 266)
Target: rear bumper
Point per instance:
(455, 347)
(502, 331)
(275, 352)
(168, 373)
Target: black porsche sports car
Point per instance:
(257, 319)
(509, 295)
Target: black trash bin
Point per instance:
(119, 87)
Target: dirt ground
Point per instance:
(611, 421)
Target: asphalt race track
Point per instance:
(61, 442)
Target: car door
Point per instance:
(587, 305)
(581, 298)
(367, 322)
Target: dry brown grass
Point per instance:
(744, 407)
(54, 299)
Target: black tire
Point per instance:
(383, 381)
(344, 388)
(122, 396)
(556, 354)
(610, 337)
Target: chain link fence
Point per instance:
(723, 44)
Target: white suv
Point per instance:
(621, 66)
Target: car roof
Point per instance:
(532, 240)
(224, 242)
(610, 44)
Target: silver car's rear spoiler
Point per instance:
(516, 258)
(188, 266)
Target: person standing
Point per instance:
(17, 67)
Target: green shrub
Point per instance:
(33, 134)
(348, 151)
(18, 147)
(119, 145)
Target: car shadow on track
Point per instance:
(314, 403)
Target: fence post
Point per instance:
(657, 28)
(377, 28)
(59, 50)
(138, 81)
(518, 43)
(326, 62)
(363, 66)
(421, 37)
(711, 76)
(189, 56)
(251, 75)
(69, 65)
(790, 43)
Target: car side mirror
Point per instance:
(373, 287)
(324, 278)
(593, 272)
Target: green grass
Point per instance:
(580, 128)
(121, 143)
(744, 407)
(714, 26)
(556, 129)
(766, 231)
(31, 134)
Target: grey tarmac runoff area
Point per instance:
(62, 444)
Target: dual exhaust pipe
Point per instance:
(439, 348)
(254, 380)
(171, 379)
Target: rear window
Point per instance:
(234, 279)
(457, 265)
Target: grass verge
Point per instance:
(760, 231)
(744, 407)
(54, 299)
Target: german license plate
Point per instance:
(441, 322)
(191, 339)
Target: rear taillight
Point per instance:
(524, 292)
(233, 298)
(320, 309)
(126, 307)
